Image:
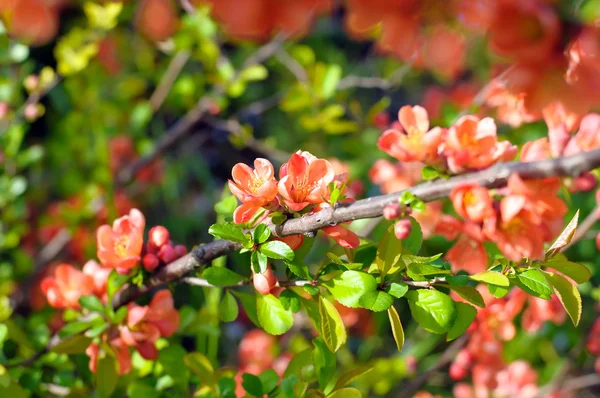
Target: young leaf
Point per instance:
(349, 286)
(261, 234)
(273, 318)
(351, 375)
(114, 283)
(468, 293)
(290, 301)
(491, 278)
(258, 261)
(228, 231)
(397, 329)
(397, 289)
(269, 380)
(299, 269)
(567, 294)
(432, 309)
(226, 206)
(376, 300)
(565, 237)
(221, 276)
(332, 326)
(388, 252)
(498, 291)
(73, 328)
(412, 244)
(579, 273)
(277, 249)
(429, 173)
(91, 303)
(106, 375)
(465, 315)
(228, 309)
(533, 282)
(252, 384)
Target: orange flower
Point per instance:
(587, 137)
(395, 177)
(157, 19)
(120, 350)
(99, 274)
(561, 124)
(304, 180)
(524, 30)
(416, 142)
(34, 21)
(68, 284)
(510, 107)
(145, 325)
(120, 247)
(515, 234)
(467, 254)
(254, 188)
(536, 150)
(473, 144)
(472, 202)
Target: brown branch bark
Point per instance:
(494, 177)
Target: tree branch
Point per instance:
(204, 283)
(493, 177)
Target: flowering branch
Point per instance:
(493, 177)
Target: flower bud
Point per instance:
(391, 212)
(180, 250)
(264, 282)
(457, 372)
(158, 236)
(150, 262)
(402, 228)
(584, 183)
(167, 254)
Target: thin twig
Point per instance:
(204, 283)
(166, 82)
(292, 65)
(396, 78)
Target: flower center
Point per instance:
(121, 246)
(301, 188)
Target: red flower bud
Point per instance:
(584, 183)
(180, 250)
(158, 236)
(457, 372)
(402, 228)
(391, 212)
(150, 262)
(381, 120)
(263, 283)
(167, 254)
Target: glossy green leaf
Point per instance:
(465, 315)
(350, 286)
(533, 282)
(221, 276)
(578, 272)
(269, 380)
(261, 233)
(388, 252)
(290, 300)
(228, 231)
(252, 384)
(277, 249)
(468, 293)
(397, 329)
(432, 309)
(91, 303)
(258, 261)
(565, 237)
(491, 278)
(397, 289)
(332, 326)
(376, 300)
(273, 318)
(568, 295)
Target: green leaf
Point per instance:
(269, 380)
(252, 384)
(332, 326)
(376, 300)
(259, 262)
(201, 366)
(498, 291)
(352, 375)
(254, 73)
(120, 315)
(312, 310)
(221, 276)
(397, 289)
(388, 252)
(299, 361)
(533, 282)
(277, 249)
(248, 301)
(579, 273)
(565, 237)
(96, 330)
(171, 358)
(73, 328)
(324, 362)
(468, 293)
(228, 309)
(346, 393)
(413, 242)
(114, 283)
(457, 280)
(261, 233)
(491, 278)
(432, 309)
(3, 333)
(465, 315)
(290, 301)
(226, 206)
(273, 318)
(333, 74)
(350, 286)
(299, 269)
(397, 329)
(426, 269)
(429, 173)
(91, 303)
(72, 345)
(228, 231)
(568, 295)
(106, 375)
